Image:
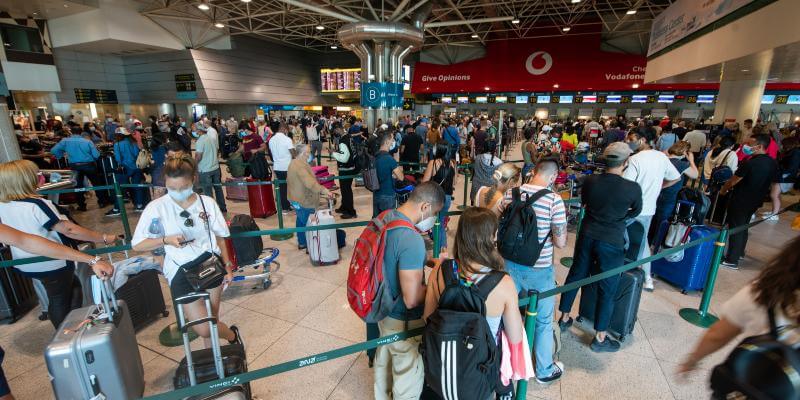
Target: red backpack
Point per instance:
(371, 300)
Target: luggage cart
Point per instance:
(265, 267)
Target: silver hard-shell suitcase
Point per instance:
(94, 353)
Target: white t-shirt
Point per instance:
(35, 217)
(650, 168)
(168, 213)
(212, 133)
(280, 146)
(312, 133)
(743, 311)
(697, 140)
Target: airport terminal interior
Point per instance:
(140, 136)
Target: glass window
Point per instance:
(21, 38)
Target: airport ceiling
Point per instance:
(312, 24)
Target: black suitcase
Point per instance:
(203, 368)
(142, 293)
(626, 303)
(17, 295)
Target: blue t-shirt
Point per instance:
(451, 136)
(405, 250)
(384, 165)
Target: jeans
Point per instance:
(442, 216)
(665, 206)
(60, 294)
(737, 216)
(644, 250)
(41, 293)
(316, 149)
(132, 176)
(591, 258)
(381, 203)
(346, 185)
(284, 200)
(540, 279)
(207, 181)
(89, 170)
(301, 221)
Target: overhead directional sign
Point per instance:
(382, 95)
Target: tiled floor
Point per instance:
(306, 312)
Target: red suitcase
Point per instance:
(235, 192)
(261, 199)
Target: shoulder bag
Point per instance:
(207, 270)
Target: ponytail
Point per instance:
(180, 166)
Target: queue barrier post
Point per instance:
(701, 316)
(436, 239)
(279, 206)
(126, 227)
(567, 261)
(467, 175)
(530, 330)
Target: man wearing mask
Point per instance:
(398, 370)
(749, 186)
(210, 176)
(345, 160)
(180, 133)
(82, 156)
(653, 171)
(388, 170)
(110, 128)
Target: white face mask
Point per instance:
(180, 195)
(426, 224)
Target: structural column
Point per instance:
(739, 100)
(9, 146)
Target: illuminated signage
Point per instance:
(340, 80)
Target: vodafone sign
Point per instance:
(530, 62)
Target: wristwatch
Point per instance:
(94, 261)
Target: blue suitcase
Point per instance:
(690, 273)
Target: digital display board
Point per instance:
(340, 80)
(768, 99)
(481, 100)
(521, 99)
(565, 99)
(447, 100)
(691, 99)
(613, 98)
(625, 99)
(793, 99)
(639, 98)
(501, 99)
(781, 99)
(666, 98)
(651, 99)
(543, 99)
(602, 99)
(492, 99)
(99, 96)
(462, 99)
(590, 99)
(533, 99)
(705, 98)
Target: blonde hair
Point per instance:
(503, 174)
(18, 180)
(679, 149)
(180, 166)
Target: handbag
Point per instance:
(206, 271)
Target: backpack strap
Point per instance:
(488, 283)
(536, 196)
(773, 326)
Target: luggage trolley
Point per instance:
(266, 266)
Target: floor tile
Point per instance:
(158, 375)
(687, 387)
(32, 385)
(334, 316)
(290, 298)
(357, 382)
(258, 331)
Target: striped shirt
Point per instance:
(550, 212)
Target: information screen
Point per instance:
(542, 99)
(447, 100)
(624, 99)
(666, 98)
(605, 99)
(793, 99)
(565, 99)
(590, 99)
(768, 99)
(691, 99)
(501, 99)
(705, 98)
(639, 98)
(340, 80)
(522, 99)
(99, 96)
(481, 99)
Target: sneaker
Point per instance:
(43, 316)
(648, 285)
(113, 213)
(238, 338)
(556, 375)
(606, 346)
(301, 247)
(138, 209)
(565, 325)
(349, 216)
(338, 210)
(730, 265)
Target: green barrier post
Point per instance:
(567, 261)
(436, 239)
(467, 174)
(123, 213)
(701, 317)
(530, 328)
(279, 236)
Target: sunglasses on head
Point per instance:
(188, 222)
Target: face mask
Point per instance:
(242, 134)
(109, 120)
(92, 129)
(634, 145)
(195, 134)
(394, 146)
(183, 124)
(554, 140)
(747, 150)
(426, 224)
(180, 195)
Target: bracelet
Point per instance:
(94, 261)
(164, 240)
(105, 242)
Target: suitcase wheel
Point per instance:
(579, 319)
(266, 284)
(683, 291)
(622, 338)
(165, 313)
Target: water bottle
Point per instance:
(156, 231)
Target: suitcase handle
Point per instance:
(191, 297)
(184, 326)
(107, 297)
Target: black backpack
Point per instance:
(247, 249)
(259, 168)
(518, 233)
(761, 368)
(701, 203)
(461, 356)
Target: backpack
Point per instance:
(371, 300)
(144, 159)
(259, 168)
(236, 165)
(721, 173)
(370, 174)
(230, 143)
(461, 356)
(247, 249)
(701, 203)
(359, 154)
(518, 233)
(761, 368)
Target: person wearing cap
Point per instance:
(609, 200)
(82, 156)
(126, 151)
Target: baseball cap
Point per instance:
(617, 151)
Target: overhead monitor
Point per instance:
(768, 99)
(613, 98)
(462, 99)
(543, 99)
(706, 98)
(501, 99)
(793, 99)
(447, 100)
(481, 99)
(340, 80)
(639, 98)
(666, 98)
(590, 99)
(565, 99)
(521, 99)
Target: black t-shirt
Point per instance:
(30, 147)
(758, 174)
(609, 200)
(412, 143)
(679, 132)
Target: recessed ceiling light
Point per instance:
(204, 6)
(486, 88)
(515, 21)
(474, 36)
(576, 1)
(555, 85)
(566, 29)
(219, 25)
(334, 47)
(630, 12)
(745, 70)
(320, 28)
(635, 85)
(246, 1)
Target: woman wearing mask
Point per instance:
(442, 171)
(304, 189)
(125, 153)
(505, 177)
(90, 132)
(193, 225)
(23, 209)
(251, 141)
(476, 262)
(483, 167)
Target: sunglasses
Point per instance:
(188, 222)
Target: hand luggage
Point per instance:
(689, 273)
(261, 199)
(17, 295)
(237, 193)
(247, 249)
(323, 246)
(718, 214)
(144, 298)
(321, 172)
(626, 303)
(94, 352)
(209, 364)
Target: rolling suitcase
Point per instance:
(626, 303)
(261, 199)
(689, 273)
(323, 246)
(209, 364)
(142, 294)
(17, 295)
(94, 352)
(236, 193)
(321, 172)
